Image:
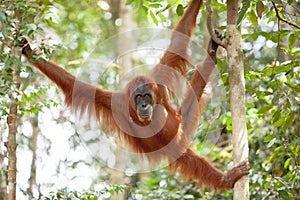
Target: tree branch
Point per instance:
(211, 29)
(284, 20)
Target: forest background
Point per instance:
(87, 38)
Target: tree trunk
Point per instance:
(33, 148)
(127, 39)
(11, 144)
(3, 193)
(126, 42)
(237, 95)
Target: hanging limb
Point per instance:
(215, 34)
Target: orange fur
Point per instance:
(172, 140)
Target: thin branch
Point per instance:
(284, 20)
(210, 28)
(278, 45)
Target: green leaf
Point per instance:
(253, 18)
(153, 18)
(137, 4)
(279, 122)
(155, 5)
(264, 109)
(260, 7)
(287, 163)
(291, 40)
(297, 150)
(179, 10)
(29, 28)
(268, 71)
(280, 69)
(293, 87)
(289, 121)
(270, 159)
(162, 17)
(146, 3)
(276, 116)
(128, 2)
(112, 192)
(278, 149)
(229, 123)
(145, 10)
(242, 13)
(266, 184)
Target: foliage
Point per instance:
(272, 71)
(12, 31)
(162, 185)
(105, 193)
(272, 84)
(155, 8)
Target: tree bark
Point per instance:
(33, 148)
(3, 193)
(237, 96)
(11, 144)
(127, 41)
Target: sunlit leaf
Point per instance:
(155, 5)
(270, 158)
(180, 10)
(268, 71)
(287, 163)
(162, 17)
(137, 4)
(253, 18)
(153, 18)
(144, 10)
(146, 3)
(273, 156)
